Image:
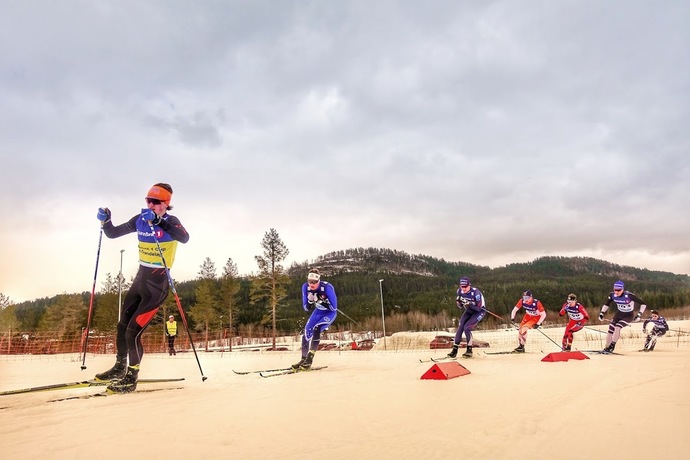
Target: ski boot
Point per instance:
(652, 344)
(453, 353)
(306, 363)
(609, 349)
(128, 383)
(468, 352)
(118, 371)
(520, 349)
(298, 364)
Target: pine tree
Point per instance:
(109, 285)
(205, 311)
(4, 301)
(8, 319)
(106, 312)
(207, 270)
(270, 285)
(66, 316)
(229, 287)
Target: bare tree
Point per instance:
(270, 284)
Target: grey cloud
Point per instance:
(483, 130)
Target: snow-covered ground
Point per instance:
(366, 404)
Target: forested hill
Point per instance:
(412, 284)
(427, 284)
(575, 266)
(376, 260)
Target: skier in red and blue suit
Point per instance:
(577, 318)
(535, 314)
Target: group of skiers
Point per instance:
(472, 301)
(159, 233)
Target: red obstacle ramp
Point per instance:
(564, 356)
(445, 371)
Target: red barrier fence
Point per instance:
(44, 343)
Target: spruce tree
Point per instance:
(229, 287)
(270, 285)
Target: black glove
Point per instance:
(601, 316)
(638, 316)
(512, 321)
(536, 326)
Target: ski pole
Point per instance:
(679, 331)
(93, 293)
(177, 300)
(493, 314)
(345, 315)
(592, 329)
(542, 333)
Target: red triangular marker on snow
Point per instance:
(445, 371)
(564, 356)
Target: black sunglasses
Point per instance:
(153, 201)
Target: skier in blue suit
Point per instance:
(319, 296)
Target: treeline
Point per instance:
(413, 287)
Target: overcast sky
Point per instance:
(488, 132)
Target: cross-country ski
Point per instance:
(512, 352)
(261, 370)
(437, 360)
(601, 352)
(81, 384)
(290, 371)
(110, 393)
